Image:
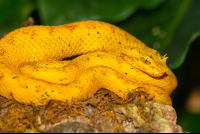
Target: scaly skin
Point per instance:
(32, 69)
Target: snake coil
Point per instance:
(32, 69)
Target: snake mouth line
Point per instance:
(71, 58)
(158, 78)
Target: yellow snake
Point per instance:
(34, 67)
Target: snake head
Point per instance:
(154, 64)
(146, 60)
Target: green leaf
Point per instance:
(187, 31)
(180, 51)
(157, 27)
(14, 13)
(65, 11)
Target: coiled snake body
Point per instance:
(33, 69)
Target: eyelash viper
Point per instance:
(33, 69)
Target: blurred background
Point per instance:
(169, 26)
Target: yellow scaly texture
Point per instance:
(32, 69)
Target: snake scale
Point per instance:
(35, 64)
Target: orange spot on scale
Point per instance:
(93, 78)
(33, 34)
(2, 52)
(10, 40)
(35, 69)
(112, 29)
(90, 26)
(126, 36)
(70, 27)
(51, 31)
(119, 77)
(66, 84)
(25, 32)
(1, 77)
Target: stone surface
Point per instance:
(91, 116)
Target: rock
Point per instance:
(72, 127)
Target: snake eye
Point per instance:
(147, 60)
